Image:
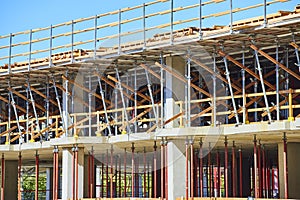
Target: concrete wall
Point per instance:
(293, 163)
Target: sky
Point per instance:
(23, 15)
(20, 15)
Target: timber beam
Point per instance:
(275, 61)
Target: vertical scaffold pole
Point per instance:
(227, 73)
(37, 167)
(171, 21)
(123, 100)
(95, 36)
(154, 169)
(151, 96)
(243, 87)
(263, 86)
(285, 169)
(188, 109)
(2, 176)
(200, 19)
(226, 168)
(186, 168)
(119, 30)
(209, 177)
(161, 92)
(132, 170)
(201, 168)
(30, 49)
(162, 169)
(50, 46)
(265, 13)
(231, 17)
(277, 85)
(144, 25)
(241, 171)
(19, 176)
(9, 52)
(214, 103)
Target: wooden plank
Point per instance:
(275, 61)
(85, 89)
(18, 107)
(212, 72)
(181, 78)
(25, 98)
(223, 54)
(8, 131)
(42, 95)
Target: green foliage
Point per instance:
(28, 185)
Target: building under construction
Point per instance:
(156, 101)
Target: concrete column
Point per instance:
(49, 183)
(11, 179)
(175, 89)
(293, 163)
(176, 169)
(67, 180)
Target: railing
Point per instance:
(80, 126)
(111, 31)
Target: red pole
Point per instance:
(89, 176)
(73, 173)
(162, 171)
(120, 185)
(111, 172)
(132, 170)
(154, 169)
(285, 169)
(3, 176)
(93, 174)
(19, 176)
(241, 172)
(166, 169)
(226, 167)
(76, 172)
(107, 186)
(259, 170)
(56, 174)
(192, 168)
(219, 174)
(195, 174)
(186, 169)
(36, 176)
(201, 168)
(233, 171)
(209, 175)
(256, 192)
(145, 182)
(102, 176)
(125, 178)
(263, 173)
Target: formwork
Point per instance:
(92, 108)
